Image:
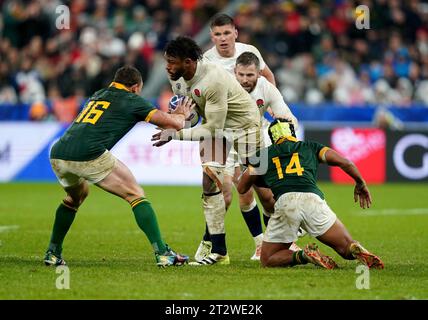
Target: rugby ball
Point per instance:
(194, 117)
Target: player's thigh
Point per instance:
(285, 222)
(336, 237)
(121, 182)
(265, 196)
(214, 150)
(317, 215)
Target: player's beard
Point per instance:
(176, 75)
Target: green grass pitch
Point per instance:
(110, 258)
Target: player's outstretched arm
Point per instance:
(361, 191)
(246, 180)
(176, 119)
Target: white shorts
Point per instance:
(70, 173)
(298, 209)
(232, 162)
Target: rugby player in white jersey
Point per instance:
(228, 111)
(225, 52)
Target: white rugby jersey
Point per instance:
(220, 100)
(213, 56)
(266, 95)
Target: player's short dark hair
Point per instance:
(248, 58)
(221, 19)
(128, 76)
(183, 47)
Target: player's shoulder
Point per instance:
(132, 100)
(213, 70)
(266, 89)
(263, 83)
(210, 54)
(99, 93)
(242, 47)
(312, 144)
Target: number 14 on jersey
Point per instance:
(292, 167)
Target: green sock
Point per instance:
(146, 220)
(63, 219)
(298, 258)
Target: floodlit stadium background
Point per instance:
(364, 91)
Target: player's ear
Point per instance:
(236, 33)
(136, 88)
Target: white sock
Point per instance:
(258, 239)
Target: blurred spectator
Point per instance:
(65, 109)
(38, 111)
(7, 85)
(29, 84)
(313, 47)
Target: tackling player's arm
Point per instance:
(248, 178)
(174, 120)
(361, 191)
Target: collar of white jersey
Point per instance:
(199, 73)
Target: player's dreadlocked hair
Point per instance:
(221, 19)
(280, 128)
(248, 58)
(183, 47)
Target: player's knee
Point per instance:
(265, 261)
(134, 192)
(73, 202)
(212, 179)
(209, 186)
(84, 194)
(75, 198)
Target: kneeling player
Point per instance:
(291, 175)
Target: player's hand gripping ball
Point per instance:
(173, 103)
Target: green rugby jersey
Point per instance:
(107, 116)
(293, 166)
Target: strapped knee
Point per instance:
(216, 174)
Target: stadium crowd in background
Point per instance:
(313, 47)
(318, 54)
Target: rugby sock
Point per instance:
(298, 258)
(251, 216)
(258, 240)
(265, 219)
(146, 220)
(219, 243)
(64, 217)
(207, 236)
